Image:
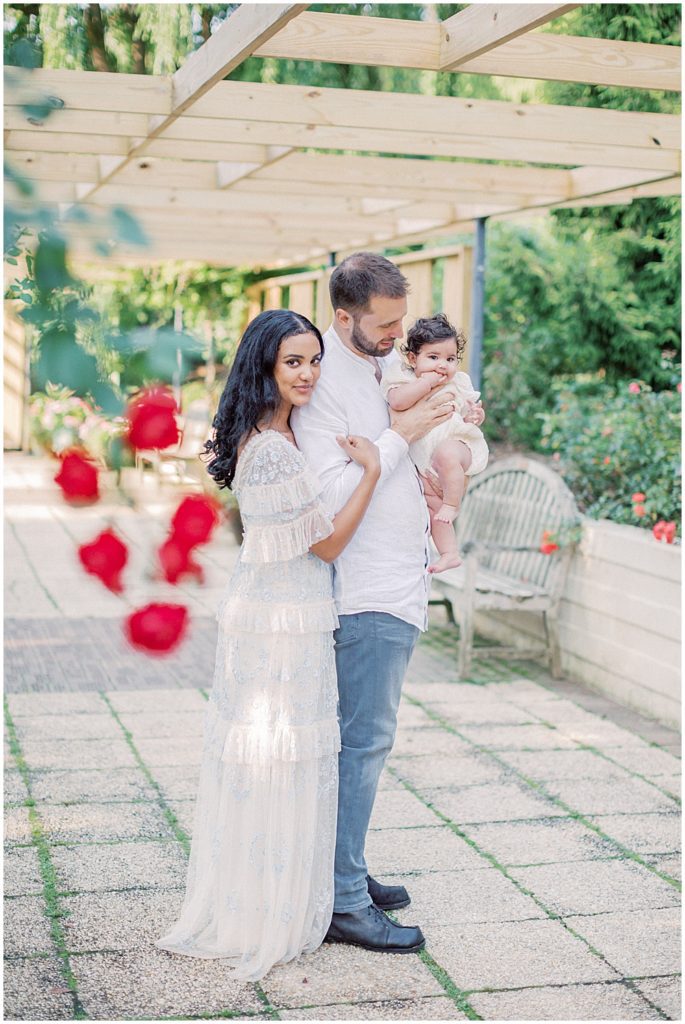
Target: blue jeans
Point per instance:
(372, 651)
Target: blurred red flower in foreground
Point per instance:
(548, 544)
(157, 628)
(176, 561)
(105, 558)
(78, 478)
(194, 520)
(152, 420)
(664, 531)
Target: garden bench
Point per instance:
(499, 530)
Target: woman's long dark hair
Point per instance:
(251, 393)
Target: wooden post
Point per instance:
(477, 305)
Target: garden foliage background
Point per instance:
(582, 339)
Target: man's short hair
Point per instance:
(361, 276)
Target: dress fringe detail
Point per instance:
(237, 615)
(291, 494)
(281, 542)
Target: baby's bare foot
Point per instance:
(448, 561)
(446, 513)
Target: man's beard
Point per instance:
(362, 343)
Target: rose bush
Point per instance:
(618, 449)
(59, 420)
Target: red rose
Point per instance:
(194, 520)
(105, 558)
(156, 628)
(152, 420)
(638, 497)
(175, 561)
(634, 388)
(639, 511)
(78, 478)
(548, 544)
(664, 531)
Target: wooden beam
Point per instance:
(82, 122)
(482, 27)
(352, 39)
(241, 34)
(430, 126)
(408, 143)
(551, 57)
(58, 142)
(354, 108)
(492, 146)
(393, 42)
(425, 175)
(428, 115)
(94, 90)
(37, 141)
(624, 196)
(460, 178)
(593, 181)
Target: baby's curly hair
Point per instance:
(433, 328)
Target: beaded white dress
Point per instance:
(260, 879)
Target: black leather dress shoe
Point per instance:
(371, 929)
(387, 897)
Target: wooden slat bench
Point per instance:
(504, 514)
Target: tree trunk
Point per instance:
(206, 23)
(95, 32)
(137, 45)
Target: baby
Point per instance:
(454, 450)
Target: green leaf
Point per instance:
(105, 397)
(23, 54)
(22, 183)
(77, 215)
(127, 228)
(62, 361)
(51, 263)
(36, 314)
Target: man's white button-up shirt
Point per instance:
(383, 568)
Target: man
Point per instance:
(380, 580)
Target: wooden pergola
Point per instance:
(270, 175)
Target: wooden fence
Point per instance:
(439, 281)
(14, 379)
(619, 620)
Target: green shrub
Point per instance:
(563, 299)
(615, 442)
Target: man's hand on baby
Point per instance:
(473, 413)
(428, 412)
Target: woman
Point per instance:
(260, 879)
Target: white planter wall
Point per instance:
(620, 619)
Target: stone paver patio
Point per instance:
(536, 824)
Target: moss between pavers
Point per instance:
(500, 867)
(448, 985)
(542, 789)
(172, 819)
(53, 908)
